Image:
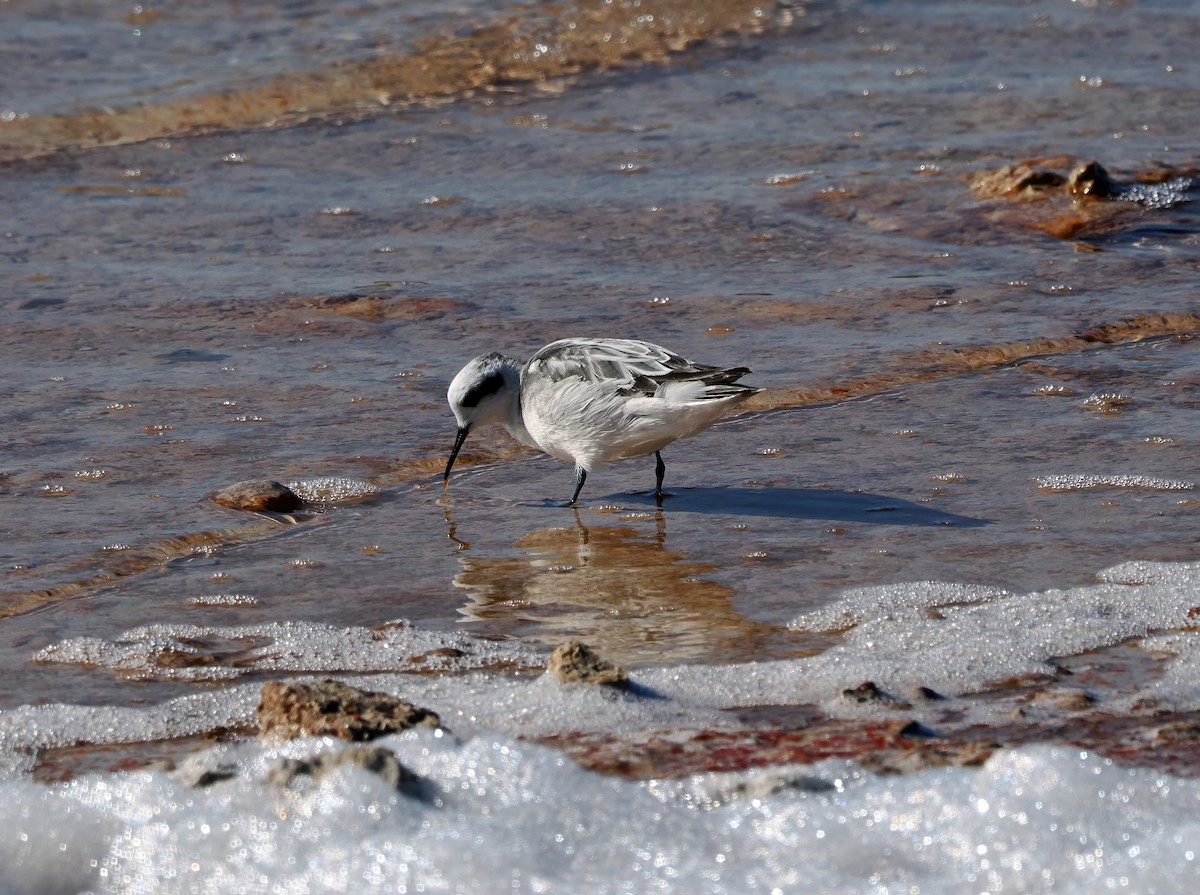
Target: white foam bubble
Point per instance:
(53, 726)
(223, 600)
(1081, 482)
(1159, 195)
(1026, 816)
(958, 640)
(333, 489)
(212, 653)
(868, 602)
(501, 815)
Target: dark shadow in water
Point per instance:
(803, 503)
(190, 355)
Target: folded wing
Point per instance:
(631, 367)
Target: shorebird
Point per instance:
(592, 401)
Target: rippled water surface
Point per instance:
(956, 388)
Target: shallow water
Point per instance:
(951, 393)
(168, 331)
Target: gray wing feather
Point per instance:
(631, 366)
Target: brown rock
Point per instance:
(1090, 179)
(1177, 733)
(869, 693)
(927, 694)
(968, 753)
(259, 496)
(328, 708)
(574, 662)
(1020, 181)
(1053, 203)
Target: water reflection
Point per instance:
(619, 587)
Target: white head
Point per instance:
(485, 391)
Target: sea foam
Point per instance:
(500, 815)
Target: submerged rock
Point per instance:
(1016, 182)
(574, 662)
(286, 772)
(259, 496)
(329, 708)
(1026, 181)
(1086, 201)
(381, 762)
(1090, 179)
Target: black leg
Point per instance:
(660, 469)
(580, 478)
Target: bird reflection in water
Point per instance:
(618, 587)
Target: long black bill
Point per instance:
(458, 443)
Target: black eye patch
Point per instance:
(489, 385)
